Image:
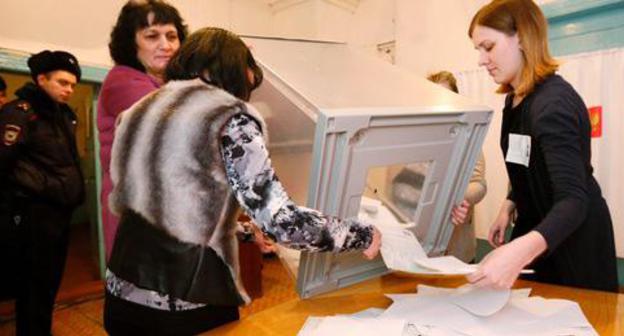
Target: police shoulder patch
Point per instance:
(11, 134)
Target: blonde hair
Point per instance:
(444, 77)
(526, 19)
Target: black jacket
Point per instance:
(38, 154)
(557, 194)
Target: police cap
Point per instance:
(47, 61)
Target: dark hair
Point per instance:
(2, 84)
(219, 54)
(444, 77)
(133, 17)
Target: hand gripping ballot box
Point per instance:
(352, 135)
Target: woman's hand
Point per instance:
(496, 235)
(265, 244)
(459, 214)
(501, 267)
(372, 251)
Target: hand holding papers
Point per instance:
(400, 249)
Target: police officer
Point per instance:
(42, 183)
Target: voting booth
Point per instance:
(352, 135)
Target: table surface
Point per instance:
(605, 311)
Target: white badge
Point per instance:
(519, 150)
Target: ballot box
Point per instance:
(352, 135)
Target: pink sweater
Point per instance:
(122, 87)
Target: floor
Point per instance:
(81, 266)
(82, 314)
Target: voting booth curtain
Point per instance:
(599, 79)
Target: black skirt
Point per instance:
(123, 317)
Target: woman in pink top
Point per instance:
(145, 37)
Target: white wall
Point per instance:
(248, 17)
(83, 27)
(432, 35)
(372, 23)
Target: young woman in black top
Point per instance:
(563, 228)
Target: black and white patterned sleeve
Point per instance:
(262, 196)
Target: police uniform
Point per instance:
(41, 185)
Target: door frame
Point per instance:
(15, 62)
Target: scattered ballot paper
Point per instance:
(480, 301)
(351, 326)
(465, 311)
(401, 251)
(434, 311)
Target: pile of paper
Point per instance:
(476, 311)
(462, 311)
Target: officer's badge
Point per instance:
(11, 133)
(24, 106)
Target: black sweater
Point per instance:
(557, 195)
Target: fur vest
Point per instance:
(170, 190)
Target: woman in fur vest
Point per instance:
(184, 159)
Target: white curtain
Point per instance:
(599, 79)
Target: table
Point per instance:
(605, 311)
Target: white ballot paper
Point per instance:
(475, 300)
(436, 311)
(368, 313)
(350, 326)
(480, 301)
(401, 251)
(448, 312)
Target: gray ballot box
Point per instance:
(352, 135)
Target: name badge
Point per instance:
(519, 150)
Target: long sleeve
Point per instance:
(13, 130)
(262, 196)
(558, 131)
(507, 114)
